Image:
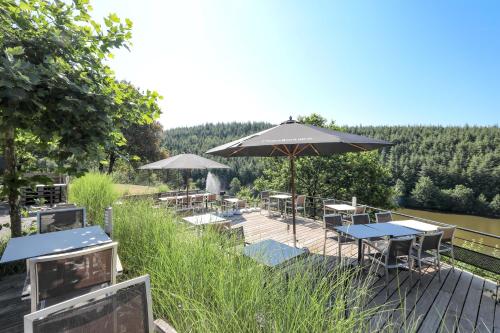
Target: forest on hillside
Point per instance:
(432, 167)
(199, 139)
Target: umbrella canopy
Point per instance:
(185, 162)
(293, 139)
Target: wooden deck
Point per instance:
(459, 302)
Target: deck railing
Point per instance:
(476, 248)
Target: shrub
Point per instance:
(94, 191)
(200, 284)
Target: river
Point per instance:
(478, 223)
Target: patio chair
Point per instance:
(447, 243)
(59, 277)
(426, 250)
(327, 202)
(395, 253)
(211, 199)
(123, 307)
(383, 217)
(300, 204)
(237, 235)
(266, 203)
(359, 210)
(61, 219)
(330, 221)
(360, 219)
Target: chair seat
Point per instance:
(381, 257)
(342, 239)
(446, 247)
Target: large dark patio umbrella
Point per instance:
(186, 162)
(293, 139)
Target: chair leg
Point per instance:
(410, 271)
(419, 263)
(324, 245)
(452, 258)
(386, 282)
(438, 259)
(340, 257)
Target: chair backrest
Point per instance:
(383, 217)
(360, 219)
(235, 234)
(448, 234)
(332, 220)
(211, 197)
(61, 219)
(398, 247)
(123, 307)
(329, 202)
(197, 198)
(58, 277)
(300, 200)
(241, 204)
(431, 241)
(220, 227)
(265, 195)
(360, 210)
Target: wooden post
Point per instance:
(292, 183)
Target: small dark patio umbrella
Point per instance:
(293, 139)
(186, 162)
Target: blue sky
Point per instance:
(357, 62)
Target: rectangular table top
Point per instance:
(203, 219)
(21, 248)
(394, 230)
(417, 225)
(280, 196)
(360, 231)
(271, 253)
(233, 200)
(341, 207)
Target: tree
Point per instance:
(54, 86)
(340, 176)
(234, 186)
(138, 137)
(425, 192)
(495, 204)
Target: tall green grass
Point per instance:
(201, 284)
(94, 191)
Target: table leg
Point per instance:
(360, 254)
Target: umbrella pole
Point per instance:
(292, 183)
(187, 187)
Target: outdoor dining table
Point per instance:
(341, 208)
(280, 198)
(416, 225)
(271, 253)
(374, 230)
(21, 248)
(204, 219)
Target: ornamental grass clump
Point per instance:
(94, 191)
(204, 284)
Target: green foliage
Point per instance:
(203, 284)
(199, 139)
(425, 193)
(95, 192)
(495, 204)
(449, 156)
(234, 186)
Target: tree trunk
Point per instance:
(10, 181)
(112, 160)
